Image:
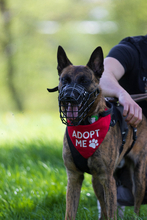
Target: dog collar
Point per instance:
(87, 138)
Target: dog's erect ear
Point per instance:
(95, 62)
(62, 59)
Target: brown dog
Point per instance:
(78, 87)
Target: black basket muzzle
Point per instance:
(75, 103)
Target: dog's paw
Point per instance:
(93, 143)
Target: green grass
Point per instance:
(33, 177)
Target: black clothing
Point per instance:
(131, 52)
(124, 189)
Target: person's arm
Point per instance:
(113, 71)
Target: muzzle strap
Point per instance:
(53, 90)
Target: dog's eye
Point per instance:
(66, 80)
(83, 80)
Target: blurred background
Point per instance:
(31, 30)
(31, 131)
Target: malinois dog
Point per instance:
(96, 144)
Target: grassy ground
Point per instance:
(33, 177)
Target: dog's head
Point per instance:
(78, 86)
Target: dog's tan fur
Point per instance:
(103, 162)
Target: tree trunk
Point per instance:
(7, 46)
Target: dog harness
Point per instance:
(88, 136)
(84, 140)
(117, 116)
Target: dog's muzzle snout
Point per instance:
(75, 103)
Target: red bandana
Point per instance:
(87, 138)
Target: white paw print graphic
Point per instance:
(93, 143)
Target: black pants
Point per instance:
(124, 188)
(126, 198)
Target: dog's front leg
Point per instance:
(74, 184)
(111, 198)
(98, 189)
(105, 190)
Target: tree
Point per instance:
(8, 51)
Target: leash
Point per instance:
(136, 97)
(139, 97)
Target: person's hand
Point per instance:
(132, 111)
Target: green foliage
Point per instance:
(33, 177)
(34, 52)
(130, 16)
